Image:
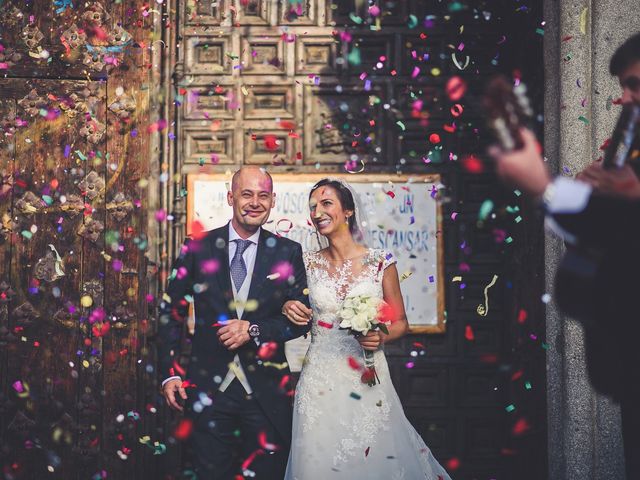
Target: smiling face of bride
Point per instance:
(328, 212)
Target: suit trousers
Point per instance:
(231, 433)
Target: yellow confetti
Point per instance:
(584, 17)
(279, 366)
(245, 91)
(405, 275)
(273, 276)
(305, 291)
(435, 71)
(86, 301)
(457, 278)
(483, 310)
(85, 364)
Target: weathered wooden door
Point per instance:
(73, 162)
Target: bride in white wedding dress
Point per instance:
(342, 427)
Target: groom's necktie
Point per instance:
(238, 267)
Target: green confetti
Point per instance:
(527, 385)
(413, 21)
(583, 119)
(47, 199)
(81, 155)
(508, 240)
(540, 31)
(401, 125)
(510, 408)
(354, 56)
(26, 234)
(355, 395)
(355, 18)
(518, 219)
(485, 209)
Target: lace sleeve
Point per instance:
(388, 259)
(383, 259)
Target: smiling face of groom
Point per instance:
(252, 199)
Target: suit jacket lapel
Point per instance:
(260, 269)
(222, 255)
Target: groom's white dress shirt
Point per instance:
(240, 297)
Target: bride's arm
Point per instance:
(393, 297)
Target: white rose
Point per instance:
(361, 323)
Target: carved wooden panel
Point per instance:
(264, 55)
(205, 147)
(210, 102)
(208, 55)
(269, 102)
(252, 12)
(316, 55)
(204, 13)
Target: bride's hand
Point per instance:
(297, 312)
(371, 341)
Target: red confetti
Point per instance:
(472, 164)
(177, 368)
(325, 324)
(516, 375)
(271, 142)
(453, 463)
(267, 350)
(197, 230)
(262, 440)
(522, 316)
(391, 194)
(468, 333)
(353, 363)
(456, 88)
(434, 138)
(520, 427)
(183, 429)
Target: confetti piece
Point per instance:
(468, 333)
(584, 16)
(355, 395)
(483, 310)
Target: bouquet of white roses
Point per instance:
(360, 314)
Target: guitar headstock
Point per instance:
(508, 110)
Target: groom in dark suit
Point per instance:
(236, 388)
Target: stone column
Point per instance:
(580, 36)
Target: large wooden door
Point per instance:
(74, 133)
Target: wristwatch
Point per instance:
(254, 330)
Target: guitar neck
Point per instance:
(623, 139)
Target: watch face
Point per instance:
(254, 330)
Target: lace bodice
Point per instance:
(329, 285)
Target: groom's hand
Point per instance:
(169, 391)
(234, 334)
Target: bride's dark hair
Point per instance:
(344, 195)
